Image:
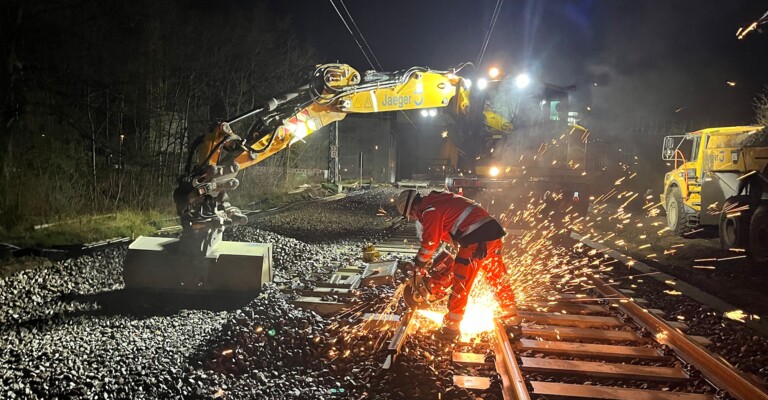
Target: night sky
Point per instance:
(648, 58)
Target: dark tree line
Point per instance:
(100, 100)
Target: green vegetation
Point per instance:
(88, 229)
(100, 118)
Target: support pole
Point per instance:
(333, 155)
(361, 168)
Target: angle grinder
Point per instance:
(429, 284)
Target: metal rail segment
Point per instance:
(601, 340)
(718, 371)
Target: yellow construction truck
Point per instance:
(720, 179)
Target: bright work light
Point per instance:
(522, 81)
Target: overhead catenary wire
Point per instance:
(352, 33)
(489, 33)
(360, 46)
(351, 19)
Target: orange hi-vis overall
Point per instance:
(446, 217)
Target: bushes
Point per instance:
(104, 104)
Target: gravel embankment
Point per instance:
(737, 343)
(357, 215)
(68, 329)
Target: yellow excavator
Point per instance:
(199, 261)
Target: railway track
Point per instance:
(593, 343)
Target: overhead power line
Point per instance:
(489, 33)
(351, 19)
(360, 46)
(351, 33)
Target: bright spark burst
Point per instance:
(736, 315)
(482, 309)
(744, 30)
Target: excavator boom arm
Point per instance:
(333, 92)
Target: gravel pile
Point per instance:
(355, 216)
(294, 258)
(272, 350)
(105, 357)
(43, 292)
(62, 336)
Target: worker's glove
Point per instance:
(481, 252)
(420, 264)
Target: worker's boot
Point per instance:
(449, 331)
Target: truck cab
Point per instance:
(722, 182)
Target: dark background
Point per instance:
(649, 58)
(99, 100)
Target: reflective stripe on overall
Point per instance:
(468, 263)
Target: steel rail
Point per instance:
(398, 339)
(514, 385)
(713, 367)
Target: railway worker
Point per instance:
(456, 220)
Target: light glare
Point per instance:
(522, 81)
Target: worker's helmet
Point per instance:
(405, 200)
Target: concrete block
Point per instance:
(379, 273)
(157, 263)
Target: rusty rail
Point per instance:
(714, 368)
(514, 384)
(398, 339)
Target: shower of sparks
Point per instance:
(482, 309)
(539, 268)
(731, 258)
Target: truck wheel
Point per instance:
(675, 211)
(758, 234)
(734, 230)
